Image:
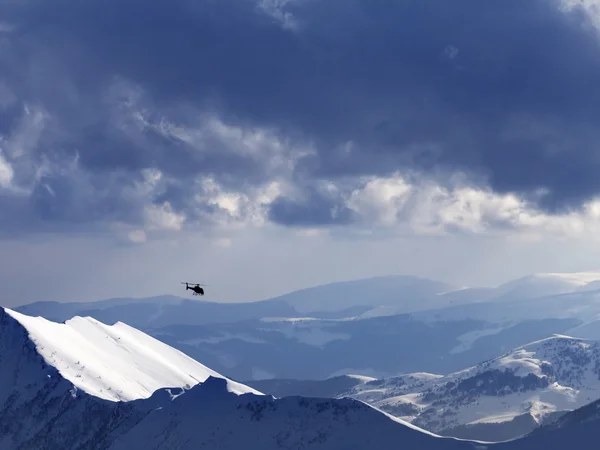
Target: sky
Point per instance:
(262, 146)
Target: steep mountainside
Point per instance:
(39, 408)
(61, 384)
(114, 362)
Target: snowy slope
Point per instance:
(38, 405)
(114, 362)
(66, 385)
(539, 379)
(577, 430)
(232, 422)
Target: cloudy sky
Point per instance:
(261, 146)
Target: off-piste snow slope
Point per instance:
(114, 362)
(80, 383)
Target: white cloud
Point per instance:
(276, 9)
(137, 236)
(428, 208)
(211, 134)
(236, 209)
(18, 171)
(393, 204)
(162, 217)
(390, 203)
(380, 200)
(591, 8)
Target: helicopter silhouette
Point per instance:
(197, 290)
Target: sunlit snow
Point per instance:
(115, 362)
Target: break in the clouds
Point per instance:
(425, 115)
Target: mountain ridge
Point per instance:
(505, 396)
(86, 352)
(40, 408)
(271, 423)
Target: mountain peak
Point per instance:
(117, 362)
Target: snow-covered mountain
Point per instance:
(86, 385)
(499, 399)
(64, 385)
(537, 380)
(577, 430)
(115, 362)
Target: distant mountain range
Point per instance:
(378, 347)
(367, 298)
(282, 337)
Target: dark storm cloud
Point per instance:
(506, 89)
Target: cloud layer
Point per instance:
(419, 116)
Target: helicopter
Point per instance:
(195, 287)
